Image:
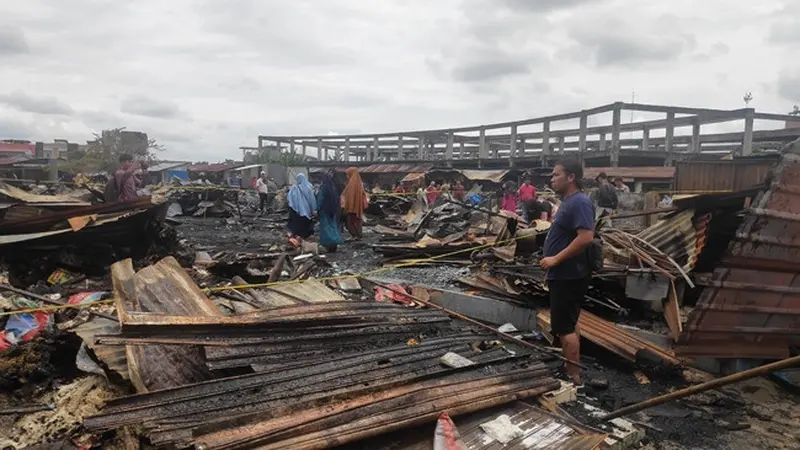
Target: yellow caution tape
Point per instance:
(56, 307)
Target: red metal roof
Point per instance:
(29, 149)
(751, 306)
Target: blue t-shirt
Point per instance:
(575, 213)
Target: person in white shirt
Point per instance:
(263, 191)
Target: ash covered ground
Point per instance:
(754, 415)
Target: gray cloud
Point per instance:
(35, 104)
(488, 68)
(785, 29)
(626, 43)
(547, 5)
(11, 128)
(12, 41)
(140, 105)
(789, 85)
(240, 68)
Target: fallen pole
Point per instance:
(460, 316)
(708, 385)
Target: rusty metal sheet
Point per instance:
(26, 197)
(750, 306)
(161, 288)
(396, 168)
(715, 176)
(633, 173)
(682, 236)
(113, 356)
(495, 176)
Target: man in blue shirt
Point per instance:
(566, 259)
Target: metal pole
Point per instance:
(713, 384)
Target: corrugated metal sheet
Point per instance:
(167, 165)
(26, 197)
(721, 175)
(161, 289)
(113, 356)
(395, 168)
(682, 236)
(751, 306)
(413, 176)
(495, 176)
(212, 168)
(537, 430)
(634, 173)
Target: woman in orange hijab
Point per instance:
(354, 202)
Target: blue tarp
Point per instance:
(182, 174)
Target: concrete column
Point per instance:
(327, 154)
(582, 137)
(319, 149)
(400, 155)
(376, 150)
(522, 147)
(421, 147)
(368, 152)
(747, 140)
(645, 139)
(338, 153)
(696, 136)
(546, 139)
(483, 152)
(462, 152)
(448, 152)
(291, 147)
(616, 121)
(561, 140)
(495, 151)
(512, 154)
(347, 149)
(602, 144)
(669, 134)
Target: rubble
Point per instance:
(234, 339)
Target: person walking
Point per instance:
(566, 260)
(354, 202)
(302, 205)
(509, 200)
(527, 195)
(329, 209)
(263, 193)
(459, 193)
(607, 200)
(272, 191)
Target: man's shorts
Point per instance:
(566, 297)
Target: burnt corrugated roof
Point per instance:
(644, 173)
(750, 307)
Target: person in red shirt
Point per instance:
(527, 194)
(459, 192)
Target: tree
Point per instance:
(102, 153)
(795, 111)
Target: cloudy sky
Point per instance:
(204, 77)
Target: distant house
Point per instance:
(165, 171)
